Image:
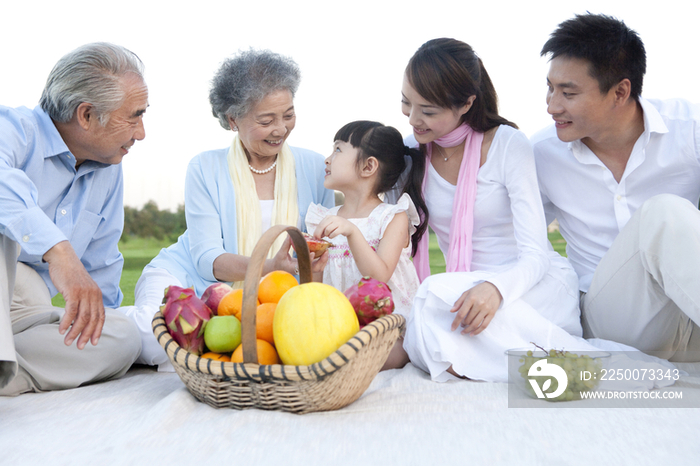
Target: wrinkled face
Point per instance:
(429, 121)
(575, 102)
(111, 142)
(341, 166)
(266, 126)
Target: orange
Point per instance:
(232, 303)
(274, 285)
(263, 322)
(216, 356)
(266, 353)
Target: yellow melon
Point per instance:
(311, 322)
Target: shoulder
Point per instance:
(544, 135)
(209, 156)
(509, 141)
(210, 163)
(546, 144)
(21, 120)
(672, 109)
(505, 133)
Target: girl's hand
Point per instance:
(333, 226)
(476, 307)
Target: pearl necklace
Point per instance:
(444, 156)
(262, 172)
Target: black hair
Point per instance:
(384, 143)
(614, 51)
(447, 72)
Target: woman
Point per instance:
(504, 287)
(233, 195)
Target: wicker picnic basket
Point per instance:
(331, 384)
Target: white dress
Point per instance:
(341, 272)
(511, 251)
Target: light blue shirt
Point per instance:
(44, 200)
(210, 207)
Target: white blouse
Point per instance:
(509, 227)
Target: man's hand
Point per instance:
(475, 308)
(85, 312)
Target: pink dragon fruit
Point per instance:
(185, 316)
(371, 299)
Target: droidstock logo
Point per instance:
(543, 369)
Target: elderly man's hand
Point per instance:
(85, 313)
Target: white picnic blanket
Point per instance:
(149, 418)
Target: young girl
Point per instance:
(370, 237)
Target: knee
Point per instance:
(663, 205)
(669, 212)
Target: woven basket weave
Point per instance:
(331, 384)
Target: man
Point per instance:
(622, 176)
(61, 216)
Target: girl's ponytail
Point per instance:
(414, 188)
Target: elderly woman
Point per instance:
(233, 195)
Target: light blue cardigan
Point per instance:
(210, 208)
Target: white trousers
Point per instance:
(148, 297)
(33, 355)
(646, 290)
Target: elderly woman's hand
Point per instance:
(282, 260)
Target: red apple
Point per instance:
(213, 294)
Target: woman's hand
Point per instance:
(318, 264)
(333, 226)
(282, 260)
(476, 307)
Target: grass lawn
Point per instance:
(138, 252)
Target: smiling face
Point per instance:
(111, 142)
(574, 100)
(429, 121)
(341, 166)
(266, 126)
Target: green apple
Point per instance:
(222, 334)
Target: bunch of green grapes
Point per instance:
(578, 371)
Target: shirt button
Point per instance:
(63, 211)
(619, 197)
(25, 238)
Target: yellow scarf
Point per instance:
(285, 210)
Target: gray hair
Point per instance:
(91, 73)
(244, 80)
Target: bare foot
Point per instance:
(451, 371)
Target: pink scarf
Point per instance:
(459, 256)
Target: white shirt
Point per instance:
(266, 213)
(509, 235)
(439, 197)
(582, 194)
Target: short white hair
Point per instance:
(91, 73)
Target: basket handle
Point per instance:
(252, 281)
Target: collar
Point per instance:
(54, 142)
(58, 148)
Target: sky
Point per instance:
(351, 54)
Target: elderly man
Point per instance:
(61, 216)
(622, 176)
